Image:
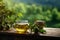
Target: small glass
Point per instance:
(40, 24)
(22, 26)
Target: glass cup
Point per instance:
(40, 24)
(22, 26)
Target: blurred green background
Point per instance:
(31, 11)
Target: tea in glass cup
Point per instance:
(40, 24)
(21, 27)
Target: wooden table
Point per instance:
(55, 32)
(52, 33)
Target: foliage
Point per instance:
(34, 12)
(42, 31)
(7, 17)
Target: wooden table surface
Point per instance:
(55, 32)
